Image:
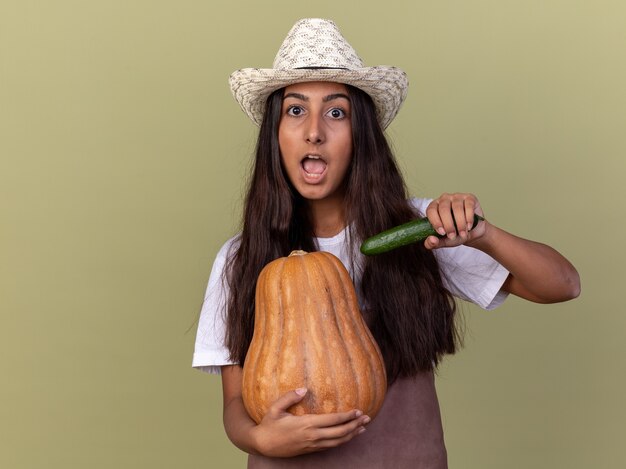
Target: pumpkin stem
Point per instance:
(297, 252)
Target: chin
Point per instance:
(308, 195)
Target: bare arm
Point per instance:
(281, 434)
(237, 423)
(537, 272)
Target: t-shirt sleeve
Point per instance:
(468, 273)
(210, 352)
(472, 275)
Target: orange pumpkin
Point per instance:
(309, 332)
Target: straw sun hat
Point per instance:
(315, 50)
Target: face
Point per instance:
(315, 138)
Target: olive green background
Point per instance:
(122, 161)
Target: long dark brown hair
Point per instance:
(408, 309)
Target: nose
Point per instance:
(315, 131)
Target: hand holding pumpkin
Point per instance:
(282, 434)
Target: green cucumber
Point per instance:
(401, 235)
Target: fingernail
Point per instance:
(358, 413)
(301, 391)
(361, 430)
(451, 235)
(469, 227)
(441, 231)
(367, 420)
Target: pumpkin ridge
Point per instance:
(267, 338)
(274, 320)
(309, 399)
(357, 327)
(316, 364)
(270, 333)
(290, 374)
(366, 339)
(319, 260)
(343, 332)
(280, 313)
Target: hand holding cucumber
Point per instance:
(451, 220)
(448, 210)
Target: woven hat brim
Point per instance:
(386, 85)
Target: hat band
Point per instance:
(321, 68)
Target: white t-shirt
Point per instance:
(467, 273)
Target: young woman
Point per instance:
(325, 179)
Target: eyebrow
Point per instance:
(325, 99)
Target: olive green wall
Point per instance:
(122, 156)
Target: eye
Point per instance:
(294, 110)
(336, 113)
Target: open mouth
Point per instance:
(313, 165)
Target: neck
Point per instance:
(327, 216)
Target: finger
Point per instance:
(287, 400)
(447, 219)
(340, 431)
(432, 213)
(432, 242)
(334, 419)
(470, 210)
(341, 438)
(458, 212)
